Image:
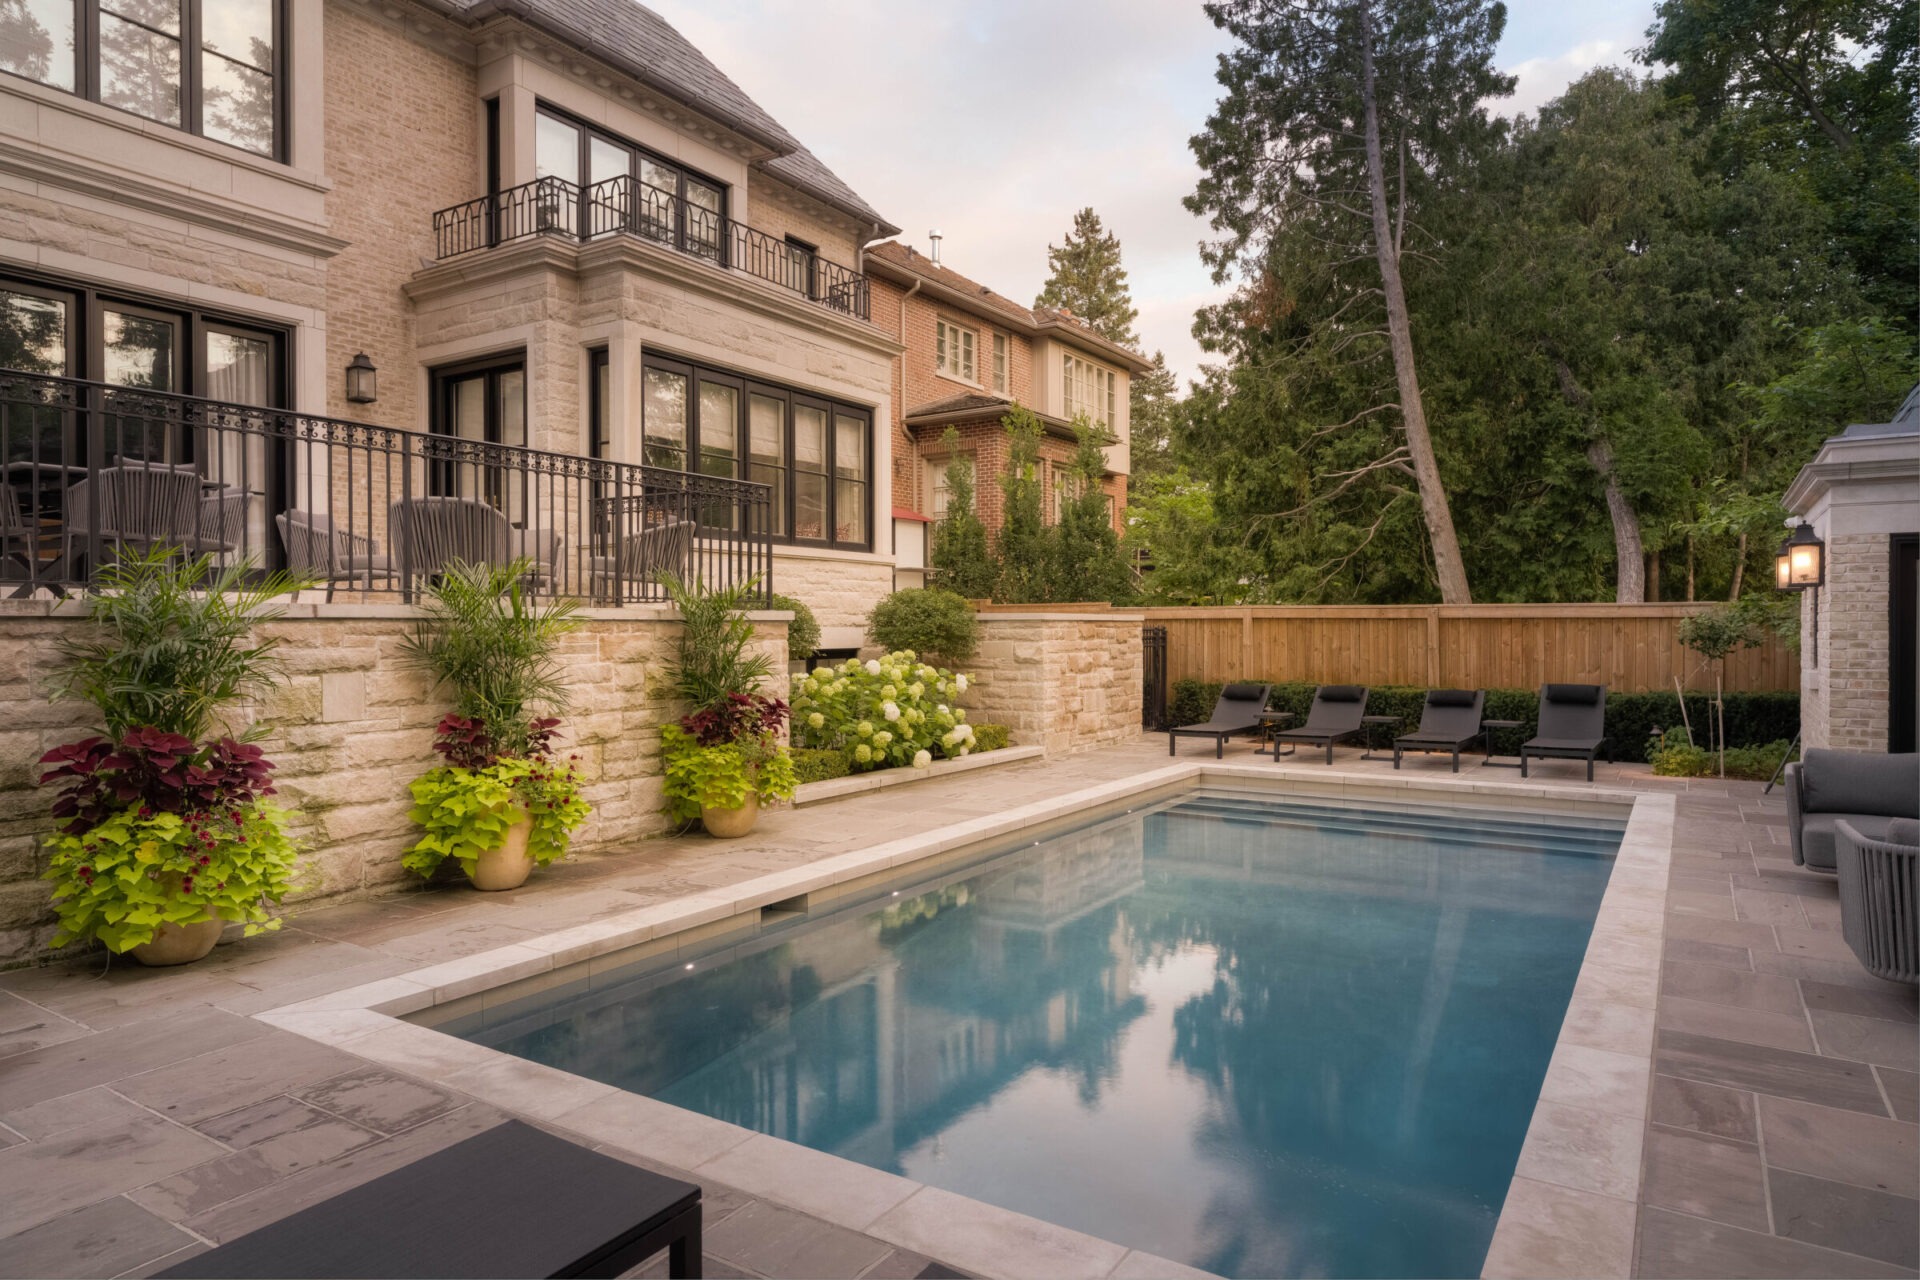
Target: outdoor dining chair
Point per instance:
(645, 558)
(431, 533)
(133, 505)
(317, 548)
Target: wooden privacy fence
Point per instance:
(1627, 647)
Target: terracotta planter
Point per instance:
(179, 943)
(730, 824)
(508, 866)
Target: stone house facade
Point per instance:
(968, 356)
(428, 182)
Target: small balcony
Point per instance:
(626, 206)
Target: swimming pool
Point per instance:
(1262, 1036)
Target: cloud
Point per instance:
(1541, 80)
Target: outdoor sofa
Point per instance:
(1449, 720)
(1336, 715)
(1572, 725)
(1867, 790)
(1237, 711)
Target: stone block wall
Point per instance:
(1059, 680)
(350, 727)
(1845, 701)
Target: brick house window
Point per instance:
(953, 351)
(1000, 377)
(1088, 388)
(211, 67)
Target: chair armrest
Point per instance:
(1791, 781)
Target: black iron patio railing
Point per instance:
(91, 471)
(624, 205)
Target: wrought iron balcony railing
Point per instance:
(625, 205)
(90, 471)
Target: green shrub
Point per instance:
(1753, 719)
(928, 621)
(990, 737)
(1673, 757)
(820, 764)
(885, 712)
(803, 633)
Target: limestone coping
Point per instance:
(1132, 619)
(1571, 1210)
(75, 607)
(854, 784)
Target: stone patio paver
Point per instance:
(167, 1119)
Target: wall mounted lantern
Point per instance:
(362, 387)
(1801, 565)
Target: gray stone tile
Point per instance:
(1891, 1002)
(1842, 1146)
(102, 1239)
(1708, 1108)
(1688, 951)
(900, 1264)
(1704, 1176)
(1731, 933)
(230, 1078)
(1828, 1081)
(778, 1242)
(1816, 944)
(205, 1186)
(1837, 1216)
(1769, 908)
(1674, 1246)
(1875, 1040)
(25, 1026)
(1837, 972)
(1903, 1091)
(71, 1111)
(1750, 1026)
(1759, 991)
(378, 1099)
(98, 1059)
(289, 1135)
(42, 1180)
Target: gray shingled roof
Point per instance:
(639, 42)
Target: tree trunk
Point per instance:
(1689, 568)
(1739, 568)
(1630, 583)
(1653, 576)
(1448, 567)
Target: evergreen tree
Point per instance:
(1021, 552)
(1153, 398)
(1086, 278)
(1087, 562)
(1339, 119)
(959, 554)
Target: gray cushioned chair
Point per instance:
(1864, 788)
(1573, 725)
(1335, 716)
(1237, 711)
(1880, 897)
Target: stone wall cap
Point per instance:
(1117, 615)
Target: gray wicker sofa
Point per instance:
(1864, 789)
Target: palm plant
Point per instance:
(711, 659)
(171, 641)
(484, 637)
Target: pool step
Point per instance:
(1480, 829)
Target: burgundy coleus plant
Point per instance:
(738, 717)
(160, 772)
(467, 744)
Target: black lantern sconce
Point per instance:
(362, 385)
(1801, 565)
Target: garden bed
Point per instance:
(855, 784)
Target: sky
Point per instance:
(993, 121)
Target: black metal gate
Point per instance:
(1153, 678)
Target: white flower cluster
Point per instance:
(884, 712)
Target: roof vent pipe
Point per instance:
(933, 245)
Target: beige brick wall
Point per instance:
(350, 728)
(1845, 701)
(1065, 681)
(780, 211)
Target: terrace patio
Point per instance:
(149, 1114)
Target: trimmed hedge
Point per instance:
(820, 764)
(1753, 719)
(990, 737)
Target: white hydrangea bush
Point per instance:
(885, 713)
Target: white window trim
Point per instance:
(999, 349)
(1104, 387)
(951, 370)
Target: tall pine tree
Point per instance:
(1086, 278)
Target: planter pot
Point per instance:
(508, 866)
(729, 824)
(179, 943)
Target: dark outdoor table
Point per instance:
(513, 1201)
(1490, 727)
(1367, 726)
(1272, 722)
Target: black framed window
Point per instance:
(216, 68)
(484, 402)
(815, 455)
(799, 267)
(665, 201)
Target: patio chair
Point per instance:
(19, 537)
(431, 533)
(1237, 711)
(645, 557)
(1573, 725)
(133, 504)
(1880, 898)
(222, 526)
(1335, 716)
(1449, 720)
(317, 549)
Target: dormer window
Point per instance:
(211, 67)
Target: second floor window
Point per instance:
(211, 67)
(653, 198)
(1089, 389)
(953, 351)
(1000, 376)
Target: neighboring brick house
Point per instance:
(969, 356)
(233, 201)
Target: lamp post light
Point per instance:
(362, 383)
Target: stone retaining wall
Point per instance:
(1065, 681)
(350, 728)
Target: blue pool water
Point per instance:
(1267, 1038)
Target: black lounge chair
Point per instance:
(1449, 721)
(1573, 725)
(1237, 711)
(1334, 716)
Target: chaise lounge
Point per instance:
(1335, 716)
(1237, 711)
(1449, 720)
(1573, 725)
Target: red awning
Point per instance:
(908, 513)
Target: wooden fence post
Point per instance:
(1246, 644)
(1433, 646)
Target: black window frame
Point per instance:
(809, 257)
(695, 372)
(442, 481)
(87, 77)
(588, 131)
